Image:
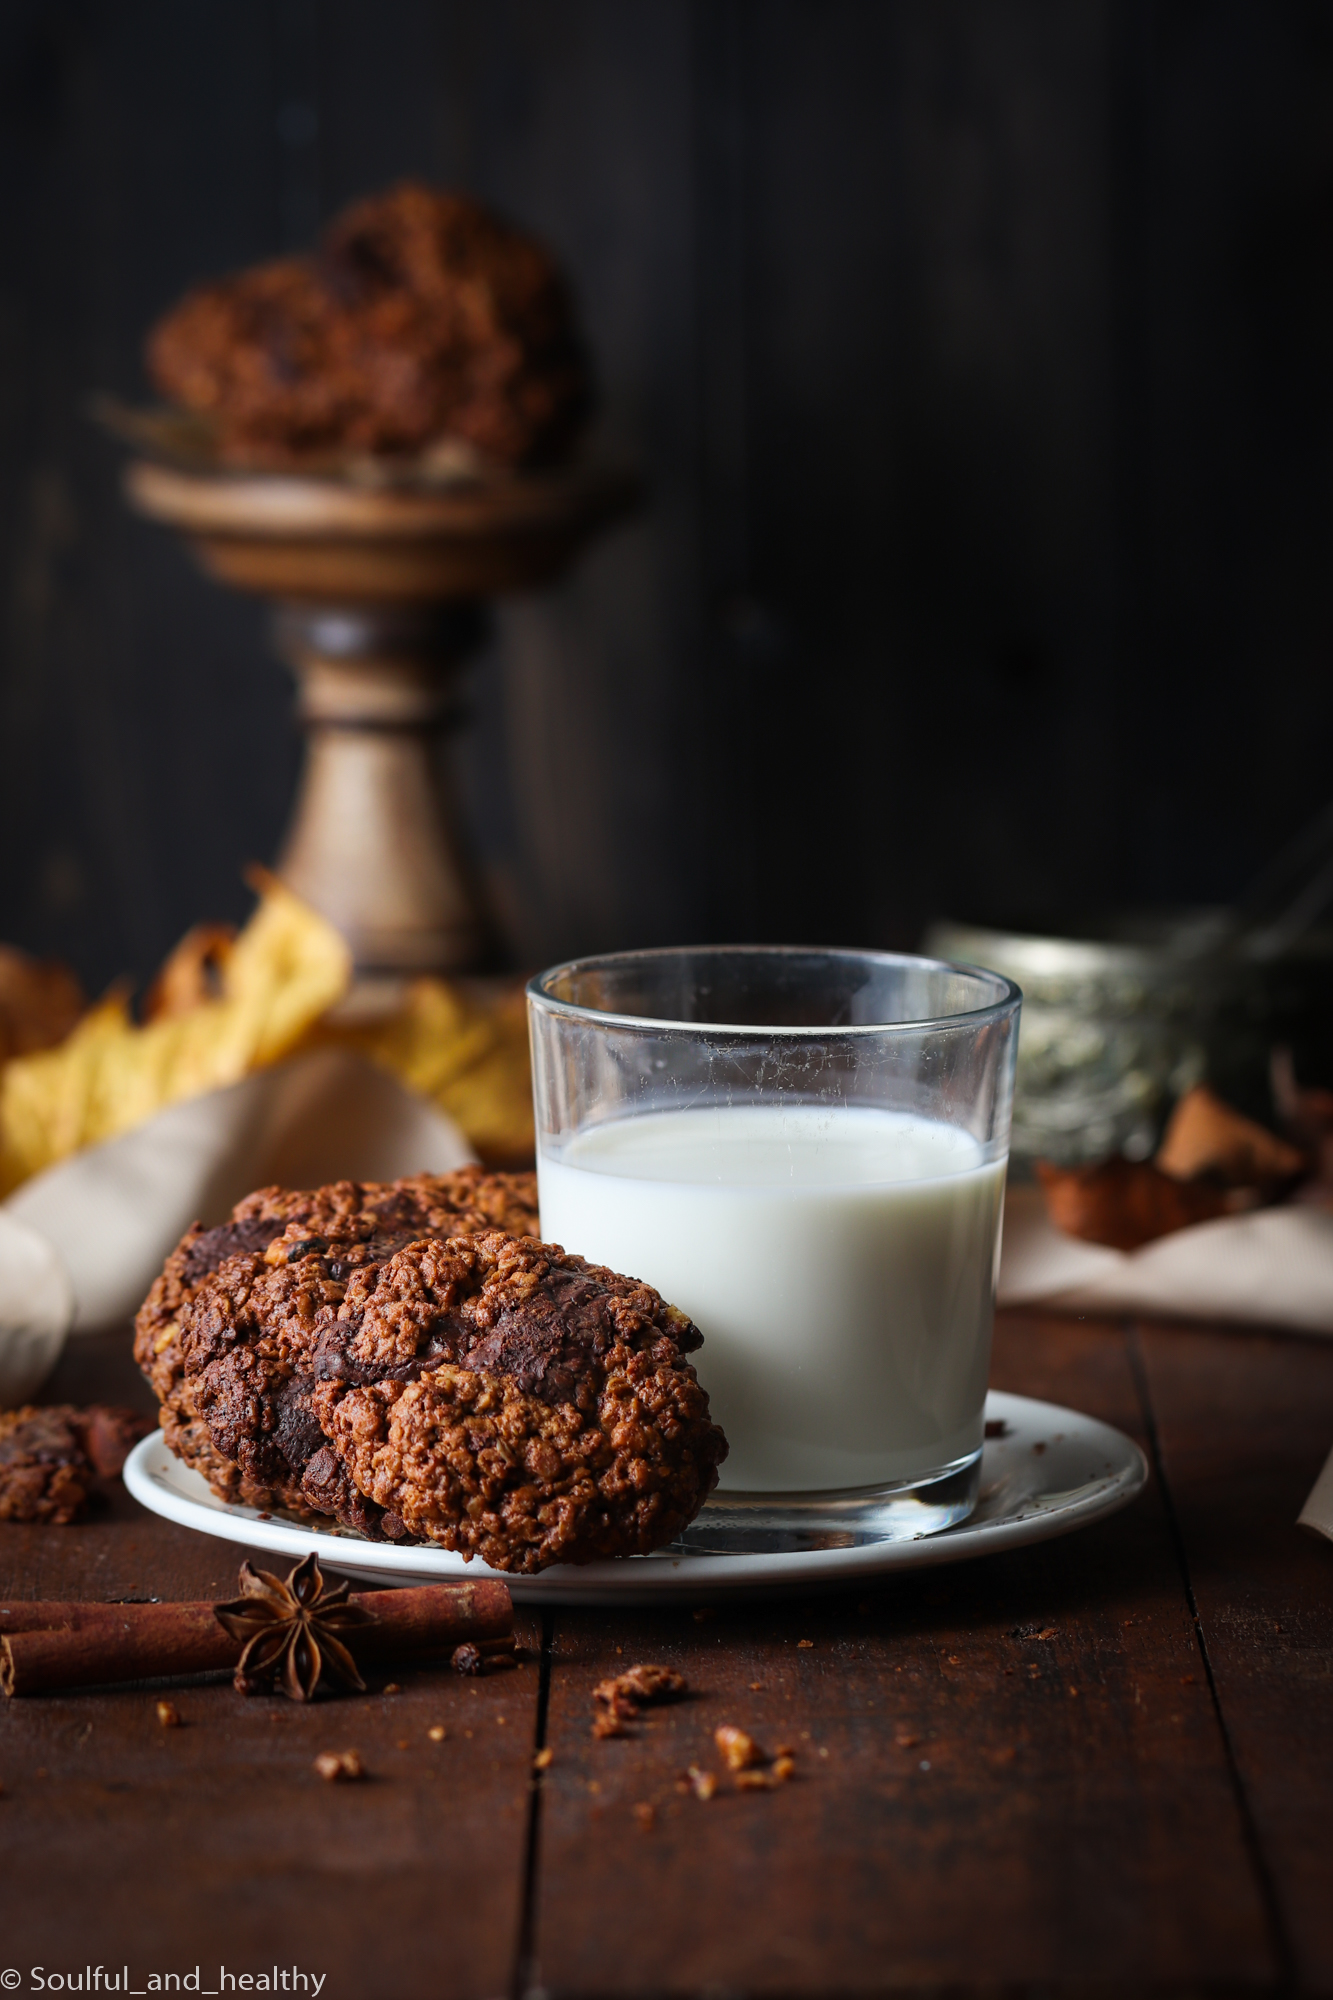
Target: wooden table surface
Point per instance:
(1106, 1762)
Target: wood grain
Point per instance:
(215, 1843)
(1244, 1422)
(1009, 1776)
(1102, 1762)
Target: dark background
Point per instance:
(977, 354)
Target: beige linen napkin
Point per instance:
(1274, 1265)
(1317, 1513)
(36, 1306)
(110, 1214)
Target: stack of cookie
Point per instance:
(413, 1362)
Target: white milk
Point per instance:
(840, 1264)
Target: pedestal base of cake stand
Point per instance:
(371, 842)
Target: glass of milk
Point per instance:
(805, 1151)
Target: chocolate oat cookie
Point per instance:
(371, 1216)
(505, 1400)
(422, 317)
(483, 1391)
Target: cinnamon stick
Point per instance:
(87, 1645)
(46, 1616)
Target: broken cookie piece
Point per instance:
(52, 1459)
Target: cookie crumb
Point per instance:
(642, 1685)
(392, 1688)
(738, 1750)
(756, 1687)
(800, 1643)
(905, 1740)
(543, 1760)
(489, 1657)
(751, 1777)
(702, 1783)
(168, 1715)
(437, 1732)
(624, 1695)
(339, 1767)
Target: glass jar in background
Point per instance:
(1109, 1039)
(1121, 1021)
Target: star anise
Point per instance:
(290, 1631)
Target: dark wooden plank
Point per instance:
(1244, 1422)
(977, 1807)
(929, 365)
(148, 744)
(580, 774)
(216, 1843)
(1222, 180)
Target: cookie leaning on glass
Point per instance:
(469, 1387)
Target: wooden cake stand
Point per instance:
(378, 596)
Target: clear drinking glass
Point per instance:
(805, 1151)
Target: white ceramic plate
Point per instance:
(1051, 1472)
